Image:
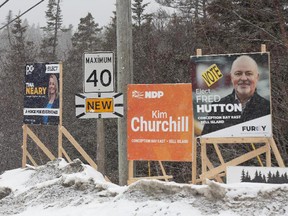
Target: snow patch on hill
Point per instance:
(70, 189)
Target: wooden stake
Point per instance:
(40, 144)
(268, 155)
(66, 155)
(31, 159)
(218, 153)
(24, 146)
(130, 171)
(60, 111)
(199, 52)
(233, 162)
(78, 147)
(203, 159)
(263, 48)
(210, 166)
(163, 171)
(194, 161)
(100, 154)
(276, 152)
(258, 157)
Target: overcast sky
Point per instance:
(72, 10)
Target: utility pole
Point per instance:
(124, 77)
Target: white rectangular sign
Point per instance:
(99, 105)
(252, 174)
(98, 72)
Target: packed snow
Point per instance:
(75, 189)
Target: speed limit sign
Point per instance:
(98, 72)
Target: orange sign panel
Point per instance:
(99, 105)
(159, 122)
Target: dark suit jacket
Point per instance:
(256, 107)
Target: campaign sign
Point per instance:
(231, 95)
(159, 122)
(41, 93)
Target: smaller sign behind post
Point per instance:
(98, 72)
(159, 122)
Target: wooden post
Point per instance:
(276, 152)
(216, 147)
(263, 48)
(131, 171)
(233, 162)
(199, 52)
(78, 147)
(268, 155)
(203, 158)
(24, 146)
(125, 76)
(60, 111)
(194, 145)
(217, 172)
(194, 161)
(40, 144)
(258, 157)
(100, 155)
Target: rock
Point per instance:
(4, 191)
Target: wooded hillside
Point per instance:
(162, 45)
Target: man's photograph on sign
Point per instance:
(231, 95)
(159, 122)
(41, 95)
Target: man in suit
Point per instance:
(244, 77)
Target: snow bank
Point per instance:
(75, 189)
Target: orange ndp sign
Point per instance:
(159, 122)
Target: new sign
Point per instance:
(98, 72)
(99, 105)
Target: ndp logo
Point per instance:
(147, 94)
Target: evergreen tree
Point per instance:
(18, 53)
(273, 178)
(51, 31)
(138, 9)
(87, 37)
(277, 177)
(110, 41)
(282, 179)
(285, 178)
(269, 177)
(256, 178)
(264, 179)
(243, 176)
(247, 177)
